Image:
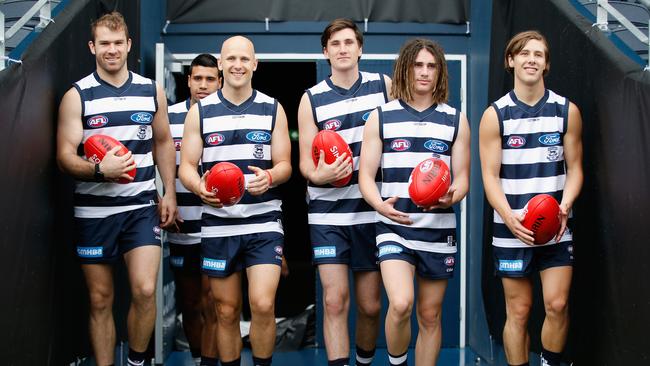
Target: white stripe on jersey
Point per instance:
(233, 122)
(114, 189)
(232, 230)
(95, 212)
(88, 82)
(121, 133)
(554, 98)
(413, 129)
(517, 212)
(516, 243)
(533, 185)
(139, 79)
(180, 188)
(362, 103)
(263, 98)
(184, 239)
(539, 125)
(391, 189)
(119, 104)
(177, 130)
(180, 107)
(333, 193)
(446, 108)
(425, 220)
(409, 160)
(190, 212)
(423, 246)
(232, 152)
(530, 156)
(342, 219)
(241, 210)
(141, 160)
(352, 135)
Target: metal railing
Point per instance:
(44, 10)
(602, 11)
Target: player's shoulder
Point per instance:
(180, 107)
(263, 98)
(139, 79)
(371, 76)
(446, 109)
(87, 82)
(321, 87)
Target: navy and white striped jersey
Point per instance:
(240, 134)
(124, 113)
(190, 206)
(532, 157)
(409, 137)
(346, 112)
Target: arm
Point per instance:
(460, 159)
(389, 84)
(69, 137)
(191, 151)
(323, 173)
(490, 152)
(280, 155)
(371, 151)
(573, 158)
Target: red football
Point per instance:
(227, 181)
(96, 147)
(333, 145)
(541, 216)
(429, 181)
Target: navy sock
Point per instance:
(399, 360)
(549, 358)
(135, 358)
(262, 361)
(236, 362)
(196, 352)
(209, 361)
(363, 357)
(338, 362)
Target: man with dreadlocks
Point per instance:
(415, 240)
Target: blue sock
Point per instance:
(338, 362)
(135, 358)
(363, 357)
(399, 360)
(262, 361)
(209, 361)
(549, 358)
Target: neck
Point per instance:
(345, 79)
(421, 102)
(116, 79)
(237, 96)
(529, 94)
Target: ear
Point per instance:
(254, 64)
(511, 61)
(219, 66)
(325, 53)
(91, 46)
(189, 77)
(128, 45)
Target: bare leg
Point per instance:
(228, 298)
(209, 315)
(398, 281)
(189, 287)
(431, 293)
(336, 301)
(556, 283)
(518, 295)
(367, 286)
(263, 282)
(99, 279)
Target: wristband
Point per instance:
(268, 175)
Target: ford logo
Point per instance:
(366, 116)
(142, 117)
(550, 139)
(258, 136)
(516, 141)
(436, 146)
(97, 121)
(400, 144)
(332, 125)
(215, 139)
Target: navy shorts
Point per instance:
(223, 256)
(185, 258)
(521, 262)
(104, 240)
(352, 245)
(428, 265)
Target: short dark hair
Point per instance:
(113, 21)
(519, 41)
(403, 78)
(337, 25)
(205, 60)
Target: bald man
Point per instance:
(249, 129)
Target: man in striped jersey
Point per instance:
(249, 129)
(415, 241)
(193, 289)
(530, 144)
(112, 219)
(341, 223)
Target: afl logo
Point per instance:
(258, 136)
(215, 139)
(332, 125)
(141, 117)
(450, 261)
(97, 121)
(400, 145)
(366, 116)
(516, 141)
(436, 146)
(177, 144)
(550, 139)
(426, 166)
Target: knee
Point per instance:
(369, 309)
(429, 318)
(557, 307)
(144, 292)
(227, 313)
(336, 303)
(101, 300)
(518, 313)
(263, 307)
(400, 308)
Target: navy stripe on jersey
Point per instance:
(409, 137)
(532, 155)
(190, 205)
(240, 134)
(346, 112)
(126, 114)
